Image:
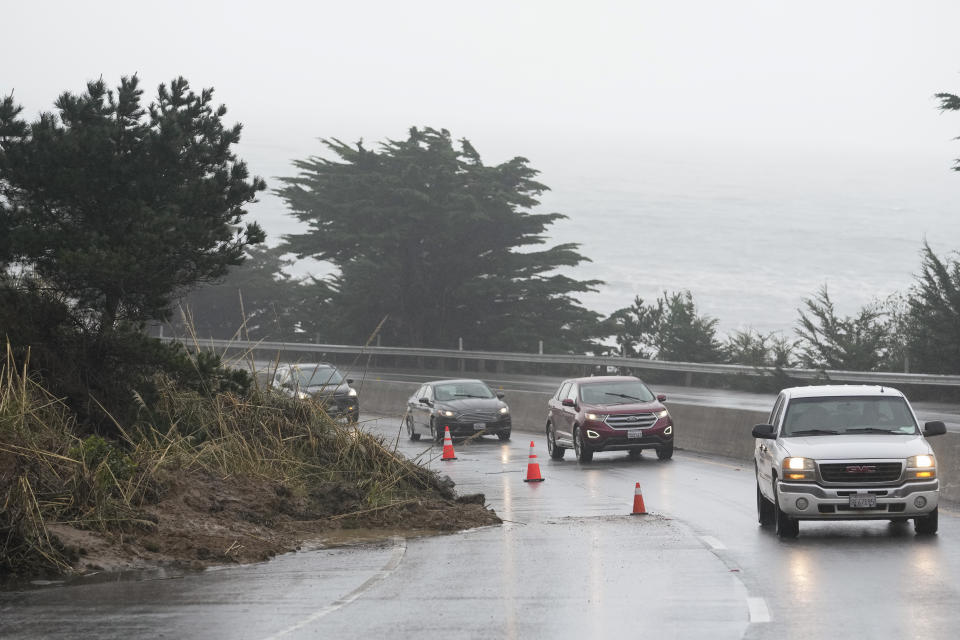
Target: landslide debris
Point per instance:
(200, 480)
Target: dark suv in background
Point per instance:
(608, 413)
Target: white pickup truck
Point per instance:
(844, 452)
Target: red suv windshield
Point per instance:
(616, 392)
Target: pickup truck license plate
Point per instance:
(863, 501)
(479, 425)
(634, 433)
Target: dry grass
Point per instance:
(48, 475)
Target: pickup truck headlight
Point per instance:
(352, 393)
(799, 469)
(921, 467)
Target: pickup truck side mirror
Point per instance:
(767, 431)
(349, 380)
(935, 428)
(661, 397)
(568, 402)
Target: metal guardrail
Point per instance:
(535, 358)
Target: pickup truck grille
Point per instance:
(631, 420)
(861, 472)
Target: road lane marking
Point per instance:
(399, 549)
(758, 610)
(713, 543)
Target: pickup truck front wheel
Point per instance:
(786, 526)
(765, 512)
(927, 525)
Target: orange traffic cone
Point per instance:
(448, 453)
(533, 467)
(638, 508)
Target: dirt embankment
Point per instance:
(204, 520)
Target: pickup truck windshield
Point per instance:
(848, 415)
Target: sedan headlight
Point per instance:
(923, 467)
(446, 413)
(504, 410)
(798, 469)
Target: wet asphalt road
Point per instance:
(569, 562)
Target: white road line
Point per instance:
(399, 548)
(758, 610)
(713, 543)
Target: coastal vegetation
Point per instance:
(110, 210)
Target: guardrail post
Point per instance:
(688, 379)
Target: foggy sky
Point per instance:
(589, 92)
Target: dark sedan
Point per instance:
(467, 406)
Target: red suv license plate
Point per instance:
(634, 433)
(863, 501)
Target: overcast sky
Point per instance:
(582, 89)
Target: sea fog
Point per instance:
(750, 232)
(753, 234)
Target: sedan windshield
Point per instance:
(850, 414)
(464, 389)
(316, 376)
(625, 392)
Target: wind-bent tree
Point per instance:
(422, 232)
(751, 347)
(850, 343)
(635, 328)
(932, 319)
(669, 329)
(109, 209)
(255, 301)
(117, 206)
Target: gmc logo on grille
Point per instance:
(861, 468)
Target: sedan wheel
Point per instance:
(584, 454)
(410, 431)
(556, 452)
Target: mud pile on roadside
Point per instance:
(204, 520)
(209, 479)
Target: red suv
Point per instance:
(608, 413)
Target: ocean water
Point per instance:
(750, 233)
(751, 238)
